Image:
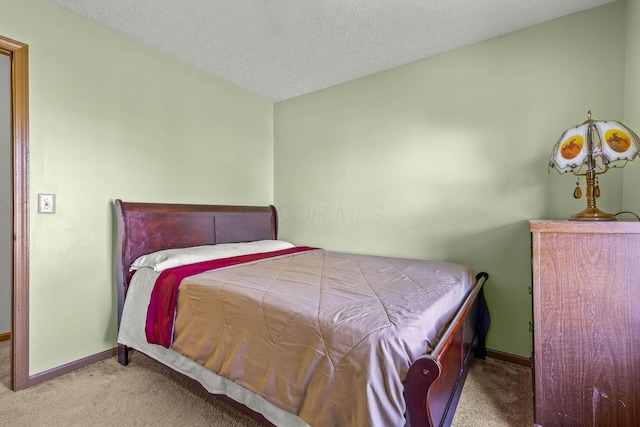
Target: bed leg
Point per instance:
(123, 354)
(484, 321)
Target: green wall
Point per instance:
(110, 118)
(632, 103)
(446, 158)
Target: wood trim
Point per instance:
(600, 227)
(509, 357)
(5, 337)
(72, 366)
(19, 53)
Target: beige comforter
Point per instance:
(326, 336)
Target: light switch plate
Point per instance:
(46, 203)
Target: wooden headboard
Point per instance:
(143, 228)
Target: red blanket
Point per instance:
(161, 310)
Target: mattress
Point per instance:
(316, 338)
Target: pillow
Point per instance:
(169, 258)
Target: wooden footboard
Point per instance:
(434, 381)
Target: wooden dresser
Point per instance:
(586, 313)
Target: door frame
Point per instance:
(19, 55)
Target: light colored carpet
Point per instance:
(496, 394)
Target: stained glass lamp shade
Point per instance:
(590, 149)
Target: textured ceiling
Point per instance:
(279, 49)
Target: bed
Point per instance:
(405, 380)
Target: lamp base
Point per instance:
(592, 214)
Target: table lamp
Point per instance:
(590, 149)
